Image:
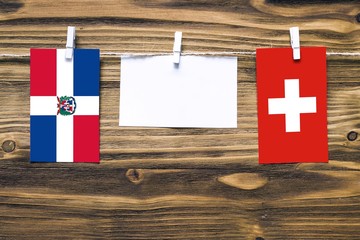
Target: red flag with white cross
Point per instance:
(292, 107)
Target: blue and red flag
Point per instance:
(64, 105)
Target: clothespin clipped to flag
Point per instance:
(177, 47)
(295, 42)
(70, 42)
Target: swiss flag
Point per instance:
(292, 117)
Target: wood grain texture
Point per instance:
(168, 183)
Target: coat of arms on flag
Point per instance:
(292, 117)
(64, 105)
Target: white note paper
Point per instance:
(200, 92)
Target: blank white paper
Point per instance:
(200, 92)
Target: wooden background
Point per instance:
(180, 183)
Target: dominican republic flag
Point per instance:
(292, 105)
(64, 106)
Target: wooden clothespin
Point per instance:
(70, 43)
(177, 47)
(295, 42)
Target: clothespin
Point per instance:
(70, 42)
(177, 47)
(295, 42)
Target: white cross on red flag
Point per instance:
(292, 117)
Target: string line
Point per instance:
(129, 54)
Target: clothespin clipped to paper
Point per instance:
(70, 43)
(295, 42)
(177, 47)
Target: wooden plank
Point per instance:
(180, 183)
(143, 26)
(83, 200)
(152, 148)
